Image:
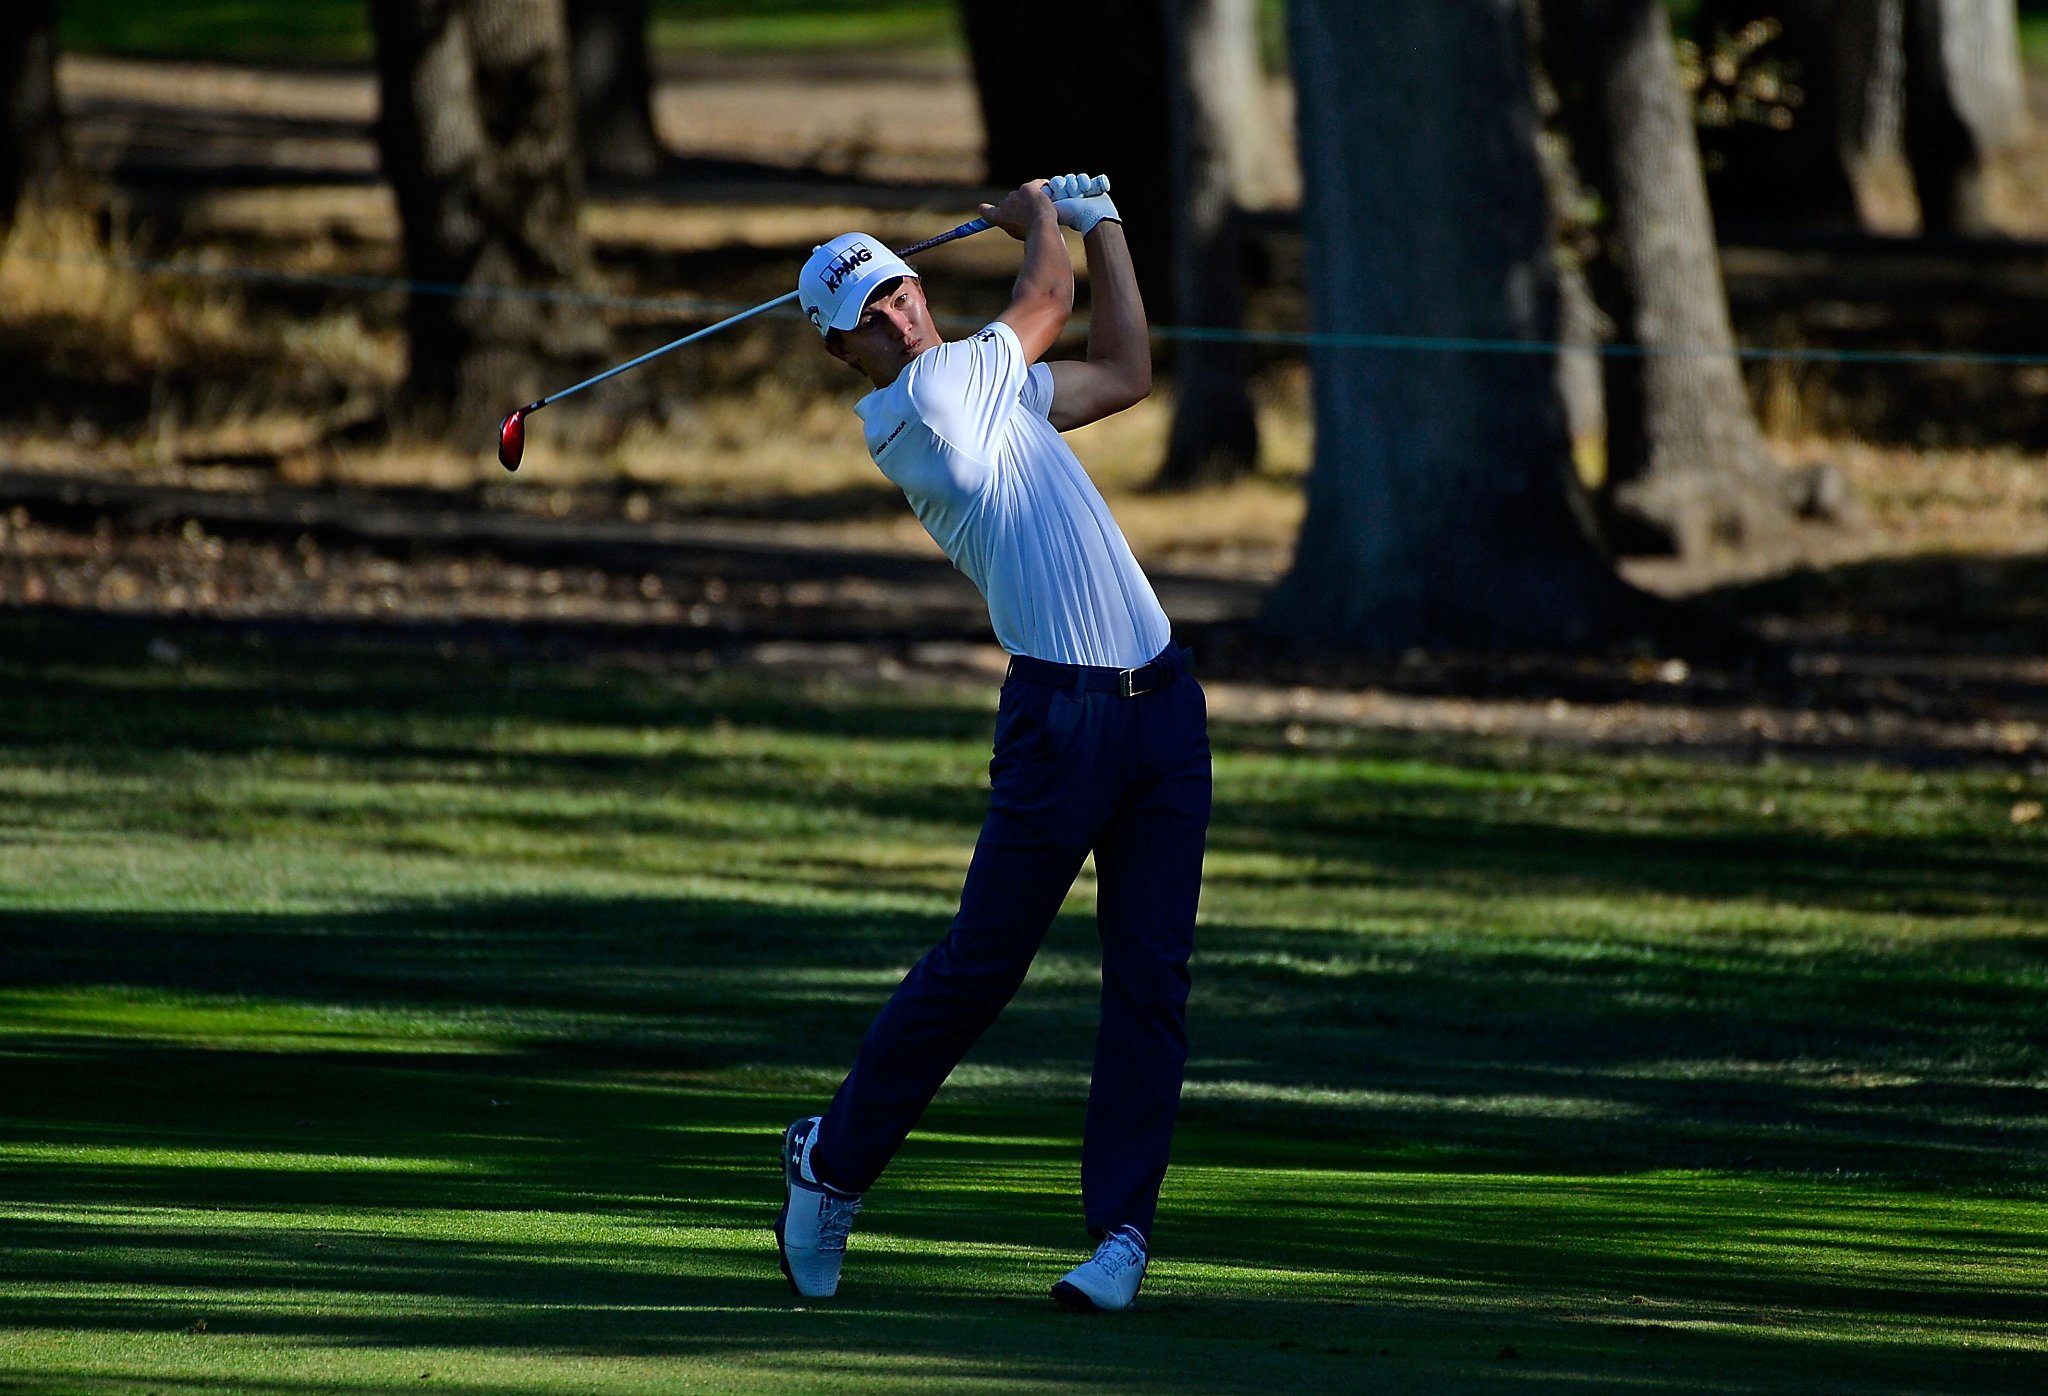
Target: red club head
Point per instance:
(512, 439)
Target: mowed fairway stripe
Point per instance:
(388, 1021)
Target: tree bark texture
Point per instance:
(614, 88)
(477, 132)
(1845, 60)
(1216, 88)
(1687, 470)
(1081, 85)
(32, 140)
(1582, 327)
(1442, 507)
(1965, 101)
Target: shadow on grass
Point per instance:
(520, 727)
(521, 1208)
(1902, 1061)
(564, 1141)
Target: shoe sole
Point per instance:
(1075, 1298)
(782, 1217)
(1072, 1297)
(781, 1256)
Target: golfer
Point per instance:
(1101, 738)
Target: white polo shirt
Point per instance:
(963, 431)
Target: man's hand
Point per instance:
(1021, 209)
(1082, 201)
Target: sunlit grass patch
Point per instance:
(113, 1012)
(385, 1013)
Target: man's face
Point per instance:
(895, 326)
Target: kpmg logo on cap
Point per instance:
(851, 260)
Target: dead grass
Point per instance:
(2019, 185)
(206, 374)
(793, 444)
(63, 291)
(221, 378)
(1955, 500)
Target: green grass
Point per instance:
(2034, 40)
(375, 1020)
(338, 31)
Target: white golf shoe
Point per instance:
(1108, 1281)
(811, 1229)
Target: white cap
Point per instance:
(835, 284)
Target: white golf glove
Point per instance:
(1081, 201)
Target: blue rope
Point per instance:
(684, 308)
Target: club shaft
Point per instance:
(763, 308)
(967, 229)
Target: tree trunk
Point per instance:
(1965, 101)
(1773, 158)
(1687, 470)
(1081, 85)
(614, 88)
(1443, 510)
(1217, 89)
(1582, 328)
(477, 131)
(32, 138)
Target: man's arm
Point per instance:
(1044, 295)
(1118, 370)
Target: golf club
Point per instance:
(512, 432)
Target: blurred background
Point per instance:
(274, 272)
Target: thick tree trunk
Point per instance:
(614, 88)
(1582, 328)
(1965, 101)
(31, 124)
(1772, 159)
(1443, 510)
(1687, 470)
(1217, 93)
(477, 131)
(1081, 85)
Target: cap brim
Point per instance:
(855, 300)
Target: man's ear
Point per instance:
(837, 349)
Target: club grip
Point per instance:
(965, 230)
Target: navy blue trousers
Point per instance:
(1075, 769)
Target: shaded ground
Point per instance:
(166, 129)
(1929, 658)
(1933, 653)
